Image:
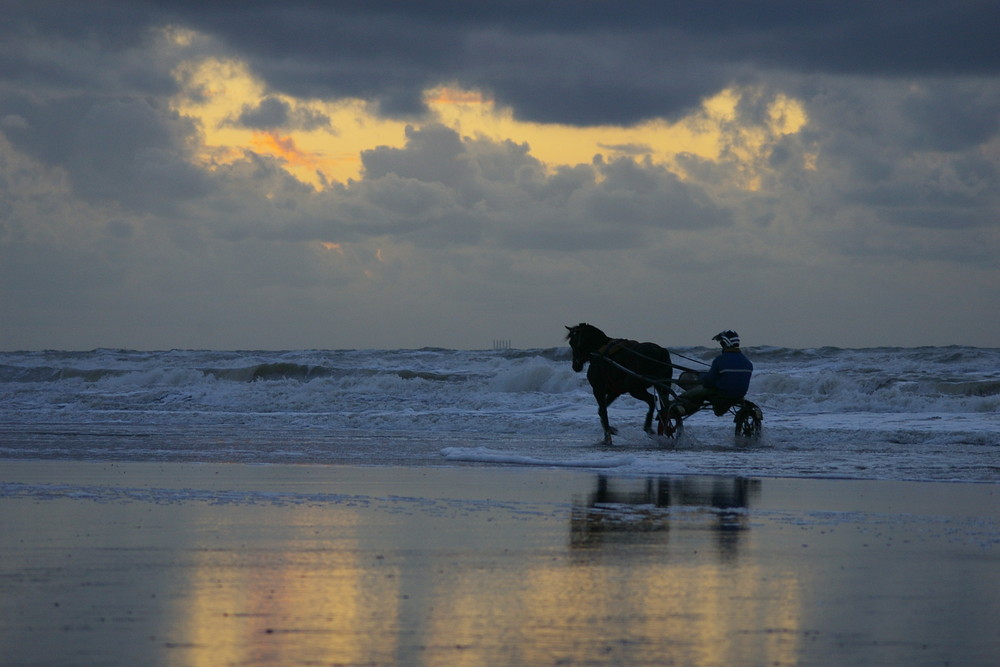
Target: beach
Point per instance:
(125, 563)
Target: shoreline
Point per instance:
(129, 562)
(500, 462)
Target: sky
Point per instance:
(374, 174)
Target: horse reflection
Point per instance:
(644, 511)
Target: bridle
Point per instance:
(580, 357)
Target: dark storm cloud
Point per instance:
(568, 61)
(589, 62)
(82, 46)
(273, 113)
(952, 117)
(127, 149)
(123, 145)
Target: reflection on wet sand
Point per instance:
(246, 565)
(447, 567)
(625, 510)
(426, 589)
(318, 600)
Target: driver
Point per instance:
(725, 383)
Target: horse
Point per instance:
(617, 367)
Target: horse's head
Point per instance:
(584, 339)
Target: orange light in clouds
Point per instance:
(274, 144)
(214, 92)
(710, 132)
(448, 95)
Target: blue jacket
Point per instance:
(730, 374)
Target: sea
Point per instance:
(887, 413)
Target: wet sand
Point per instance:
(191, 564)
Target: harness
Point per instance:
(617, 383)
(613, 347)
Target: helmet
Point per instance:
(727, 338)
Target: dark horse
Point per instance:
(618, 367)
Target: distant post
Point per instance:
(501, 343)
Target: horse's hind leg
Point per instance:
(650, 402)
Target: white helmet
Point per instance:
(727, 338)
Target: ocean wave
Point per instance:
(879, 379)
(282, 370)
(984, 388)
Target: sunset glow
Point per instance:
(216, 92)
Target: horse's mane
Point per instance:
(583, 325)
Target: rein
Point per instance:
(697, 361)
(604, 353)
(629, 371)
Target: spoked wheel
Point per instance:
(669, 425)
(748, 420)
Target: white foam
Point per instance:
(486, 455)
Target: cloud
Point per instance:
(270, 113)
(134, 153)
(13, 122)
(441, 189)
(434, 153)
(951, 116)
(274, 113)
(886, 178)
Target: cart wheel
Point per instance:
(748, 421)
(669, 425)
